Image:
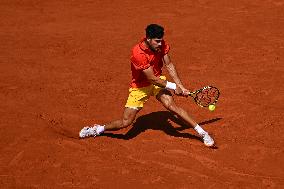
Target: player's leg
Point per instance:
(165, 97)
(127, 119)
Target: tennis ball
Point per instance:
(211, 107)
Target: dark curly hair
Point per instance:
(154, 31)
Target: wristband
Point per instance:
(171, 85)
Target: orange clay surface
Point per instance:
(65, 64)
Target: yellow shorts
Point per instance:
(138, 96)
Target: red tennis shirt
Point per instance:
(142, 58)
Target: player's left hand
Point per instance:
(178, 91)
(185, 92)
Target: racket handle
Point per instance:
(191, 94)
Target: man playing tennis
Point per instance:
(147, 59)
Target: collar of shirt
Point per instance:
(143, 46)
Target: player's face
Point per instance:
(155, 44)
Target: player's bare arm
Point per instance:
(173, 73)
(149, 73)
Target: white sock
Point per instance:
(100, 129)
(199, 129)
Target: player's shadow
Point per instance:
(158, 121)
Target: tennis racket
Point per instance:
(205, 96)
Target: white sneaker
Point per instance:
(207, 140)
(88, 132)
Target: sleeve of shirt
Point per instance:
(140, 62)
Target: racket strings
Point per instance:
(207, 96)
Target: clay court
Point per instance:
(65, 64)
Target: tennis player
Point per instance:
(147, 59)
